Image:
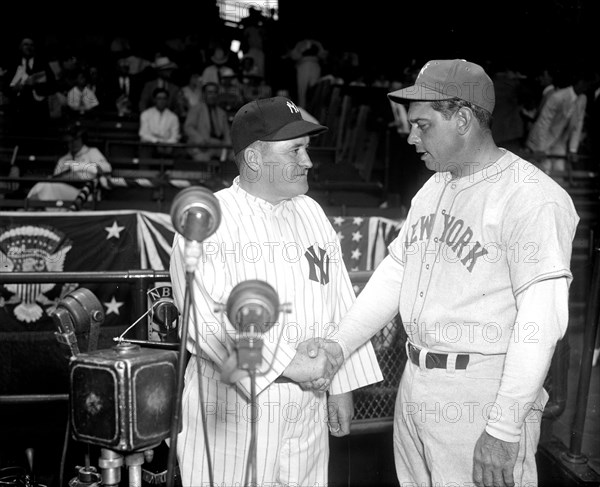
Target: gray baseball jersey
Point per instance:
(471, 244)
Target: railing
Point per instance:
(88, 193)
(374, 404)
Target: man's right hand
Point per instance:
(316, 362)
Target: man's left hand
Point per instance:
(494, 462)
(340, 411)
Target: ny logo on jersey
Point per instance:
(293, 108)
(321, 262)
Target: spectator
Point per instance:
(308, 54)
(220, 62)
(556, 133)
(81, 99)
(208, 124)
(81, 162)
(164, 69)
(31, 82)
(123, 90)
(190, 95)
(158, 124)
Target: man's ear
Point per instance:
(464, 120)
(253, 158)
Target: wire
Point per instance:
(63, 456)
(150, 310)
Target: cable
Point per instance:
(63, 456)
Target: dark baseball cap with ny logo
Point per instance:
(270, 119)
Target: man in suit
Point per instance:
(164, 68)
(123, 90)
(31, 82)
(556, 133)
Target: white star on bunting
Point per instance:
(114, 230)
(113, 306)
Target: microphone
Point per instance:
(77, 313)
(252, 308)
(195, 214)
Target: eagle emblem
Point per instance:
(28, 248)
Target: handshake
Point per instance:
(316, 362)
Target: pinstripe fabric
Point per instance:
(294, 248)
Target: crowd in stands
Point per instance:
(187, 92)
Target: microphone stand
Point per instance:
(175, 418)
(252, 346)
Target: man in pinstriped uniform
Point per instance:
(271, 231)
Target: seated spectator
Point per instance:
(231, 96)
(81, 162)
(81, 99)
(208, 124)
(158, 124)
(164, 69)
(190, 95)
(220, 63)
(122, 90)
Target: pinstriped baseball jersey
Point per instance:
(471, 244)
(294, 248)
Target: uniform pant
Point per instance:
(440, 415)
(292, 441)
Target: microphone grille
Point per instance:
(253, 301)
(197, 199)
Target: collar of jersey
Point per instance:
(255, 202)
(491, 173)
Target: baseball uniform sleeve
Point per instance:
(544, 239)
(361, 368)
(374, 308)
(542, 319)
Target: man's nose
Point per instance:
(413, 138)
(305, 161)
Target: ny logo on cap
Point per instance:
(293, 108)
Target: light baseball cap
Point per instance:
(270, 119)
(450, 78)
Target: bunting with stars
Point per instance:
(106, 241)
(364, 239)
(57, 242)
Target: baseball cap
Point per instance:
(450, 78)
(270, 119)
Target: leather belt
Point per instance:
(283, 380)
(436, 360)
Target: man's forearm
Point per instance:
(541, 321)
